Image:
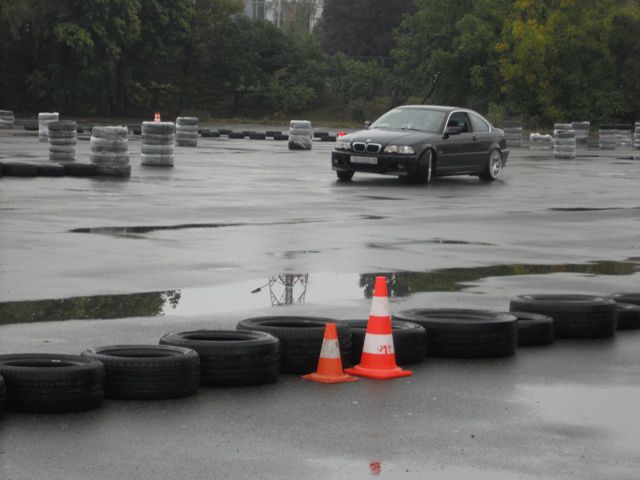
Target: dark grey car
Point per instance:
(418, 142)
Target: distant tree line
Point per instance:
(542, 60)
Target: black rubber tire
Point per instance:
(320, 134)
(210, 134)
(486, 174)
(136, 131)
(148, 372)
(534, 329)
(328, 138)
(158, 128)
(80, 169)
(63, 125)
(231, 358)
(110, 133)
(236, 135)
(344, 175)
(424, 169)
(47, 383)
(248, 133)
(257, 136)
(1, 169)
(626, 297)
(300, 339)
(19, 169)
(3, 395)
(575, 316)
(31, 127)
(272, 133)
(281, 137)
(225, 131)
(628, 316)
(409, 341)
(461, 333)
(50, 170)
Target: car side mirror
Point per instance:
(452, 131)
(367, 124)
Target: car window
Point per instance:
(459, 119)
(422, 119)
(478, 124)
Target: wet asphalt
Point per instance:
(233, 215)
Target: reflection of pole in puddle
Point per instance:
(283, 287)
(375, 467)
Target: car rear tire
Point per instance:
(494, 166)
(344, 176)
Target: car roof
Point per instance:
(442, 108)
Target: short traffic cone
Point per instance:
(330, 363)
(378, 355)
(156, 117)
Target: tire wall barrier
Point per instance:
(109, 147)
(608, 137)
(564, 141)
(63, 137)
(300, 135)
(538, 141)
(513, 133)
(636, 136)
(6, 119)
(187, 131)
(582, 131)
(44, 119)
(158, 140)
(624, 135)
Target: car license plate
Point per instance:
(367, 160)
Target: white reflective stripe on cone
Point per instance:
(378, 344)
(380, 307)
(330, 349)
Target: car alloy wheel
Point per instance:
(495, 164)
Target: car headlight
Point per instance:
(342, 145)
(406, 149)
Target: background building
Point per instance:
(286, 14)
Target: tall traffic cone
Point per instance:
(378, 355)
(156, 117)
(330, 363)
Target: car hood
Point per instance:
(390, 137)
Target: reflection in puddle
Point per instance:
(282, 289)
(437, 241)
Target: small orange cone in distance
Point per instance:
(378, 358)
(156, 117)
(330, 363)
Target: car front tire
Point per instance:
(424, 169)
(344, 175)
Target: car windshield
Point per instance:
(421, 119)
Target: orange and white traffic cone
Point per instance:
(156, 117)
(378, 355)
(330, 363)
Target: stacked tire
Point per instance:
(623, 133)
(636, 136)
(462, 333)
(148, 372)
(608, 137)
(109, 147)
(300, 135)
(187, 131)
(300, 339)
(47, 383)
(157, 149)
(564, 141)
(582, 131)
(231, 358)
(6, 119)
(574, 316)
(63, 137)
(513, 133)
(44, 119)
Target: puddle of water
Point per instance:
(279, 290)
(437, 241)
(126, 230)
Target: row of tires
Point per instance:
(261, 348)
(26, 169)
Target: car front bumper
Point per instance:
(386, 164)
